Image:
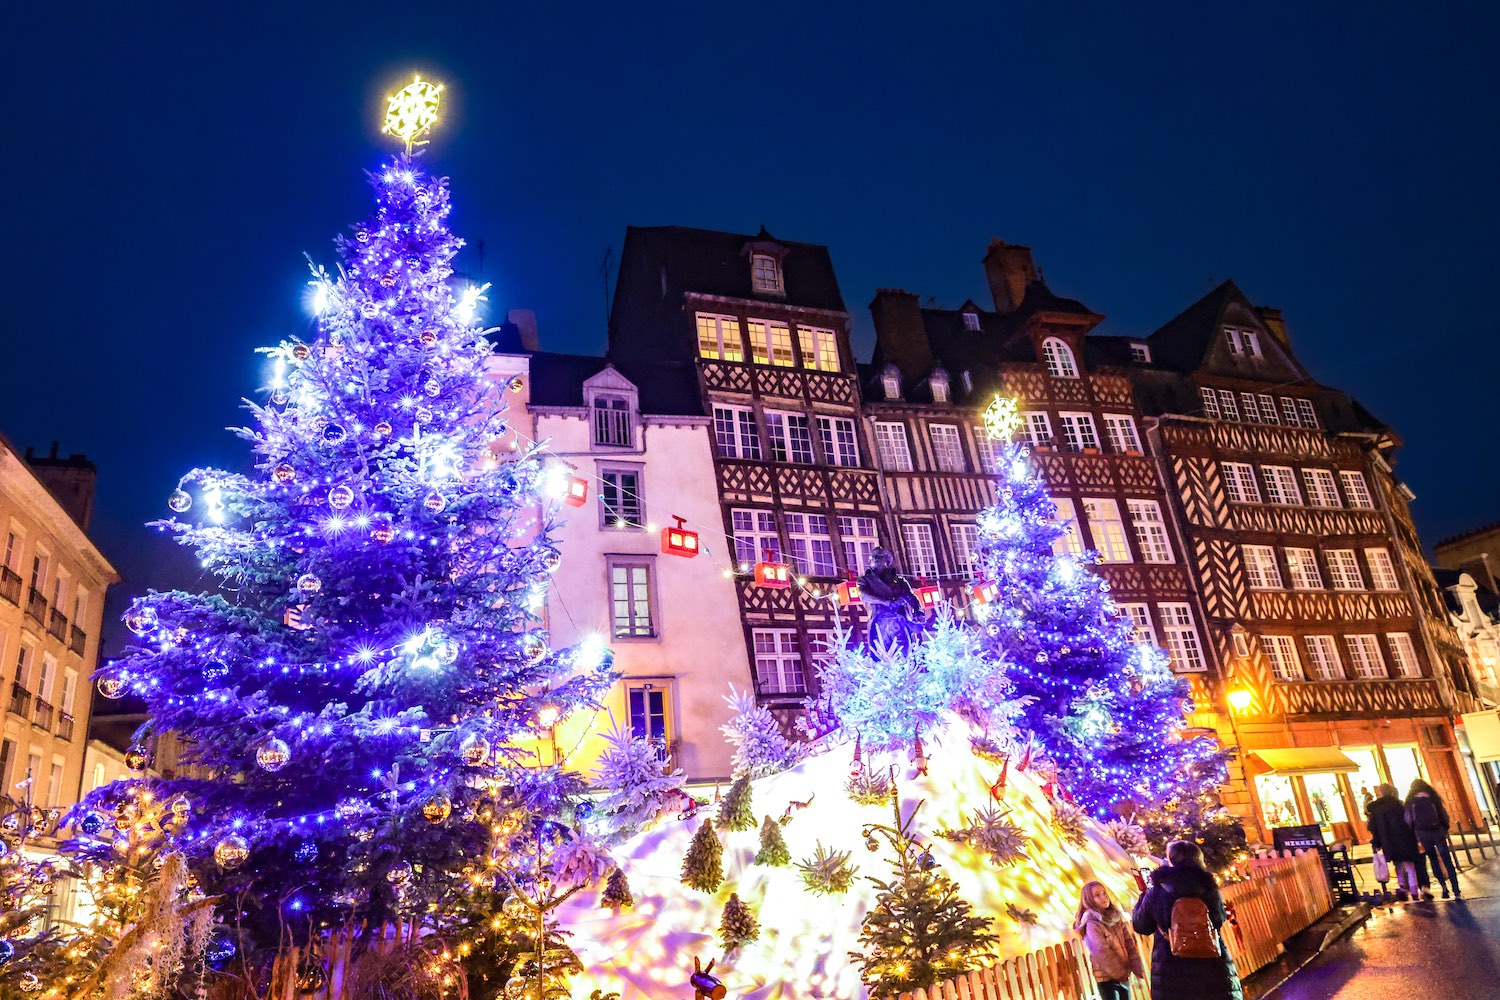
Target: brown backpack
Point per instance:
(1192, 934)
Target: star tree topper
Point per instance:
(1001, 417)
(411, 112)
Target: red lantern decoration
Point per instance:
(773, 575)
(678, 540)
(928, 593)
(985, 591)
(997, 790)
(848, 591)
(578, 491)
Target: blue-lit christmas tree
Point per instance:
(354, 704)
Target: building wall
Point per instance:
(1476, 553)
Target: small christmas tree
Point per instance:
(616, 894)
(828, 872)
(735, 811)
(703, 868)
(738, 924)
(760, 747)
(636, 782)
(772, 847)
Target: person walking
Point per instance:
(1392, 836)
(1183, 908)
(1112, 948)
(1429, 821)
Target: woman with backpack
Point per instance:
(1392, 836)
(1184, 910)
(1111, 945)
(1429, 821)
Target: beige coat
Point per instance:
(1112, 947)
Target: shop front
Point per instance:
(1297, 786)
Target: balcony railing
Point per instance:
(57, 625)
(43, 717)
(36, 605)
(77, 639)
(65, 726)
(20, 700)
(10, 585)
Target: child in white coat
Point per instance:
(1112, 947)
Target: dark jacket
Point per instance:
(1388, 830)
(1426, 830)
(1174, 978)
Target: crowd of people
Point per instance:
(1183, 910)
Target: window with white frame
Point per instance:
(938, 383)
(1140, 352)
(611, 421)
(735, 435)
(1139, 615)
(770, 342)
(1107, 529)
(778, 661)
(1356, 490)
(1289, 411)
(859, 538)
(765, 272)
(1079, 431)
(54, 781)
(45, 676)
(1240, 484)
(630, 599)
(69, 692)
(1308, 415)
(790, 437)
(965, 538)
(1343, 569)
(1122, 434)
(947, 448)
(1281, 485)
(1249, 407)
(12, 550)
(1382, 570)
(1323, 655)
(986, 457)
(620, 504)
(921, 553)
(1321, 491)
(1302, 567)
(1037, 428)
(808, 543)
(1261, 570)
(1070, 542)
(1281, 652)
(890, 384)
(1364, 653)
(890, 442)
(755, 536)
(1183, 649)
(820, 348)
(1059, 359)
(1228, 405)
(1244, 343)
(971, 321)
(840, 446)
(1268, 409)
(1150, 531)
(1210, 402)
(1404, 654)
(719, 337)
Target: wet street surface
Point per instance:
(1448, 949)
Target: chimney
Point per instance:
(1010, 269)
(525, 324)
(900, 337)
(1271, 319)
(70, 480)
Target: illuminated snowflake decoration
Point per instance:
(1001, 417)
(412, 111)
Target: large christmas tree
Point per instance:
(354, 702)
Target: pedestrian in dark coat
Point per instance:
(1429, 821)
(1174, 978)
(1390, 834)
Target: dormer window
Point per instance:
(971, 321)
(1140, 352)
(1059, 359)
(968, 381)
(614, 405)
(938, 383)
(765, 273)
(890, 382)
(611, 416)
(1242, 343)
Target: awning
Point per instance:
(1306, 760)
(1483, 730)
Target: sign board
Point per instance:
(1483, 732)
(1299, 838)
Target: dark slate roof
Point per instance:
(1183, 342)
(1483, 529)
(715, 263)
(666, 388)
(1041, 299)
(1489, 602)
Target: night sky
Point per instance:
(167, 168)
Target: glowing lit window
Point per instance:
(1059, 359)
(1070, 542)
(770, 342)
(1107, 530)
(820, 348)
(719, 337)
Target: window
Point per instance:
(1240, 484)
(985, 457)
(820, 348)
(921, 554)
(839, 444)
(47, 671)
(620, 499)
(755, 537)
(1059, 359)
(1323, 654)
(1302, 565)
(1343, 570)
(1249, 407)
(770, 342)
(23, 664)
(734, 432)
(1150, 530)
(938, 383)
(1107, 529)
(1382, 570)
(1228, 405)
(967, 379)
(971, 321)
(12, 550)
(69, 689)
(1307, 413)
(99, 775)
(630, 599)
(890, 384)
(765, 272)
(809, 545)
(719, 337)
(1078, 431)
(54, 783)
(1183, 650)
(1261, 570)
(1364, 653)
(1281, 485)
(1121, 432)
(1037, 428)
(7, 754)
(1070, 542)
(947, 448)
(890, 441)
(1140, 352)
(1404, 654)
(1289, 411)
(647, 705)
(965, 537)
(1210, 402)
(1245, 343)
(1139, 616)
(778, 661)
(1356, 490)
(1281, 651)
(611, 421)
(859, 539)
(1320, 489)
(1268, 409)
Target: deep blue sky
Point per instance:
(167, 166)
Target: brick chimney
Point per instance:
(900, 337)
(1271, 319)
(1010, 269)
(71, 480)
(525, 324)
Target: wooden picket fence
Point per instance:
(1273, 897)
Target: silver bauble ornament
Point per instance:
(273, 754)
(231, 852)
(179, 501)
(308, 584)
(340, 497)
